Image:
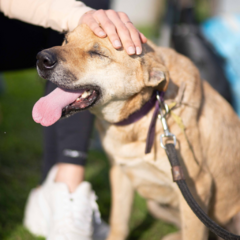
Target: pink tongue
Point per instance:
(48, 110)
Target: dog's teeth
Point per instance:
(78, 99)
(86, 94)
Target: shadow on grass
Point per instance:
(139, 230)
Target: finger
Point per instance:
(93, 24)
(97, 29)
(108, 26)
(133, 32)
(122, 31)
(135, 37)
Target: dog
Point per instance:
(93, 75)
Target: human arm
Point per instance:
(65, 15)
(60, 15)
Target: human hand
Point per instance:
(118, 27)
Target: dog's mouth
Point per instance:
(63, 103)
(87, 98)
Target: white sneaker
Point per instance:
(55, 213)
(71, 213)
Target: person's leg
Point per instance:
(73, 140)
(70, 174)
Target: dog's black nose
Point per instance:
(46, 60)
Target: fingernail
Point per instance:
(102, 34)
(131, 50)
(139, 51)
(117, 43)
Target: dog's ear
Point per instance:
(158, 78)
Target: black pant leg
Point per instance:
(50, 150)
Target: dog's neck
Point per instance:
(118, 110)
(137, 115)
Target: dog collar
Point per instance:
(134, 117)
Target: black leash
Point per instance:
(178, 177)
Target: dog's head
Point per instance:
(108, 81)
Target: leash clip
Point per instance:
(163, 111)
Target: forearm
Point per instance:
(60, 15)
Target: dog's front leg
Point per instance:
(192, 227)
(122, 197)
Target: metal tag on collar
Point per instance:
(163, 111)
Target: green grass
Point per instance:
(20, 164)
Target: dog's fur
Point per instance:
(126, 82)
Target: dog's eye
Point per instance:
(96, 54)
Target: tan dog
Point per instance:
(115, 85)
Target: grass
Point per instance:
(20, 164)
